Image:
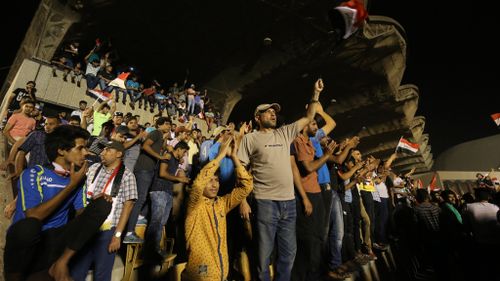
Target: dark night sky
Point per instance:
(451, 58)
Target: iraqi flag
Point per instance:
(496, 118)
(407, 145)
(348, 17)
(420, 184)
(433, 184)
(99, 94)
(120, 80)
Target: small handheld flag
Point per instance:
(496, 118)
(407, 145)
(99, 94)
(120, 80)
(432, 184)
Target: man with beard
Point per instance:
(112, 180)
(267, 152)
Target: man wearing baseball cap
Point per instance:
(117, 184)
(117, 118)
(267, 152)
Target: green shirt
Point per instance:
(99, 119)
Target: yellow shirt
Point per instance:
(367, 185)
(206, 225)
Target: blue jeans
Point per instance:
(131, 156)
(190, 106)
(105, 87)
(92, 81)
(336, 233)
(135, 95)
(276, 219)
(161, 205)
(95, 252)
(144, 180)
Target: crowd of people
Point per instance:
(290, 197)
(98, 68)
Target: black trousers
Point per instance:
(369, 205)
(28, 249)
(310, 239)
(348, 248)
(356, 218)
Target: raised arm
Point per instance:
(350, 144)
(389, 161)
(314, 165)
(113, 106)
(244, 181)
(330, 124)
(350, 173)
(311, 108)
(205, 175)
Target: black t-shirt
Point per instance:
(19, 94)
(336, 184)
(161, 184)
(106, 75)
(146, 162)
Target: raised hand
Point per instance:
(225, 146)
(330, 148)
(318, 86)
(235, 146)
(354, 141)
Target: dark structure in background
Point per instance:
(248, 52)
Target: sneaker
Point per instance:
(380, 246)
(142, 221)
(361, 259)
(132, 238)
(337, 275)
(78, 84)
(372, 256)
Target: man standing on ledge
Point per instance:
(267, 152)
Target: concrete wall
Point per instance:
(55, 90)
(480, 154)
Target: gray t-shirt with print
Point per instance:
(268, 155)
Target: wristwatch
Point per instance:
(118, 234)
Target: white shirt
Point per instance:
(483, 217)
(77, 112)
(382, 190)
